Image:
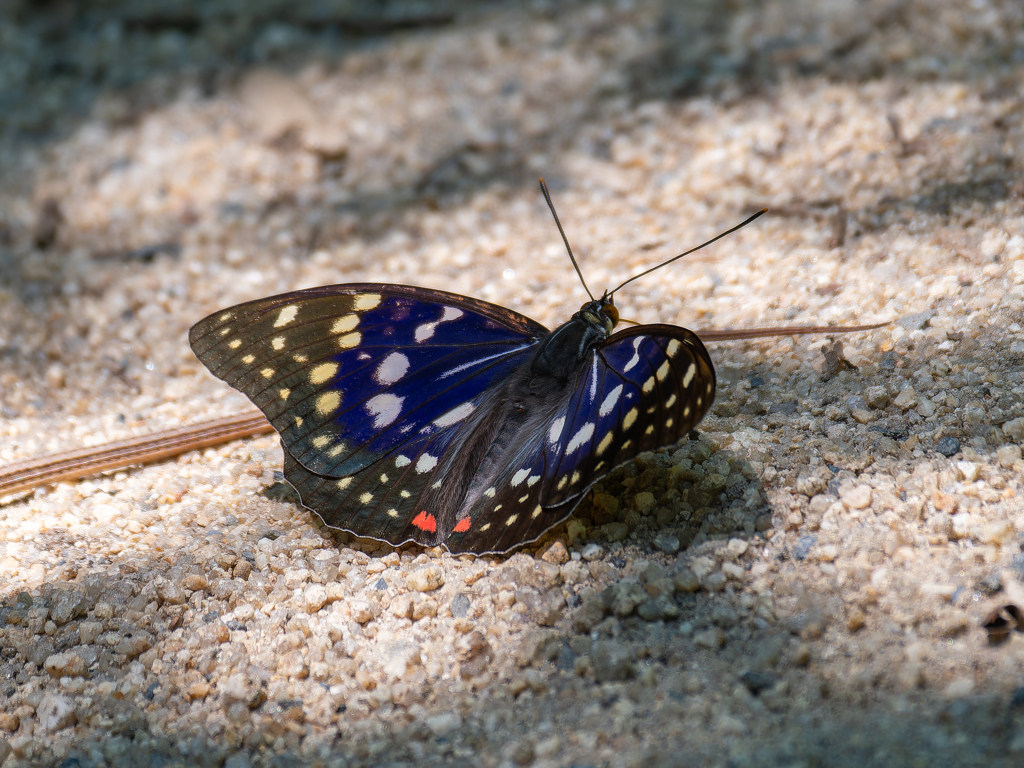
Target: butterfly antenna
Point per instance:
(547, 197)
(741, 225)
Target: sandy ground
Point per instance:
(804, 585)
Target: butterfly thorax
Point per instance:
(561, 354)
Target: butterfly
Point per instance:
(411, 414)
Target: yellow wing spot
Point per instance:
(344, 483)
(630, 417)
(626, 445)
(649, 430)
(563, 482)
(598, 466)
(277, 342)
(300, 358)
(673, 347)
(225, 331)
(605, 442)
(511, 519)
(235, 344)
(266, 373)
(669, 423)
(649, 384)
(366, 498)
(298, 421)
(652, 409)
(523, 498)
(709, 387)
(336, 450)
(536, 512)
(686, 411)
(328, 403)
(345, 323)
(575, 478)
(670, 402)
(284, 392)
(367, 301)
(225, 317)
(485, 526)
(392, 513)
(690, 373)
(383, 478)
(489, 493)
(248, 359)
(286, 315)
(405, 494)
(497, 508)
(321, 441)
(351, 340)
(323, 372)
(662, 371)
(699, 401)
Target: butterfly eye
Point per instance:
(612, 313)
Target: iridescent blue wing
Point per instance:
(349, 374)
(646, 387)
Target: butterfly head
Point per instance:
(601, 313)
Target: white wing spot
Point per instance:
(670, 402)
(235, 344)
(383, 478)
(284, 392)
(489, 493)
(402, 461)
(267, 373)
(248, 359)
(536, 512)
(336, 450)
(299, 358)
(485, 526)
(496, 509)
(610, 401)
(385, 409)
(436, 485)
(425, 331)
(673, 347)
(585, 433)
(277, 343)
(345, 323)
(286, 315)
(556, 429)
(405, 494)
(636, 354)
(328, 403)
(392, 368)
(425, 463)
(450, 313)
(563, 482)
(518, 477)
(649, 384)
(225, 317)
(321, 441)
(351, 340)
(323, 372)
(511, 519)
(605, 442)
(455, 415)
(366, 498)
(630, 417)
(575, 478)
(690, 373)
(663, 371)
(344, 483)
(367, 301)
(532, 480)
(392, 513)
(225, 331)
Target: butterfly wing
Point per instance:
(367, 385)
(644, 388)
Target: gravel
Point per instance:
(803, 582)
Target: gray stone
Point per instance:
(906, 399)
(1014, 430)
(592, 552)
(666, 543)
(611, 661)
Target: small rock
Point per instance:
(855, 619)
(55, 712)
(292, 664)
(238, 760)
(736, 548)
(606, 508)
(949, 446)
(1008, 455)
(5, 750)
(666, 543)
(991, 583)
(67, 605)
(644, 502)
(361, 611)
(802, 655)
(724, 616)
(810, 483)
(906, 399)
(758, 681)
(68, 664)
(968, 470)
(657, 609)
(876, 397)
(857, 497)
(424, 609)
(587, 616)
(314, 597)
(169, 592)
(556, 554)
(401, 606)
(426, 579)
(715, 581)
(611, 661)
(616, 531)
(686, 581)
(460, 606)
(712, 639)
(1014, 430)
(803, 546)
(9, 722)
(445, 723)
(592, 552)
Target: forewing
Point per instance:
(351, 374)
(646, 387)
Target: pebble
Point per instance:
(1008, 455)
(948, 446)
(555, 554)
(55, 712)
(686, 581)
(1014, 430)
(426, 579)
(857, 497)
(592, 552)
(611, 661)
(736, 548)
(715, 581)
(314, 597)
(444, 723)
(712, 638)
(667, 543)
(906, 399)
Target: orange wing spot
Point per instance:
(425, 522)
(463, 525)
